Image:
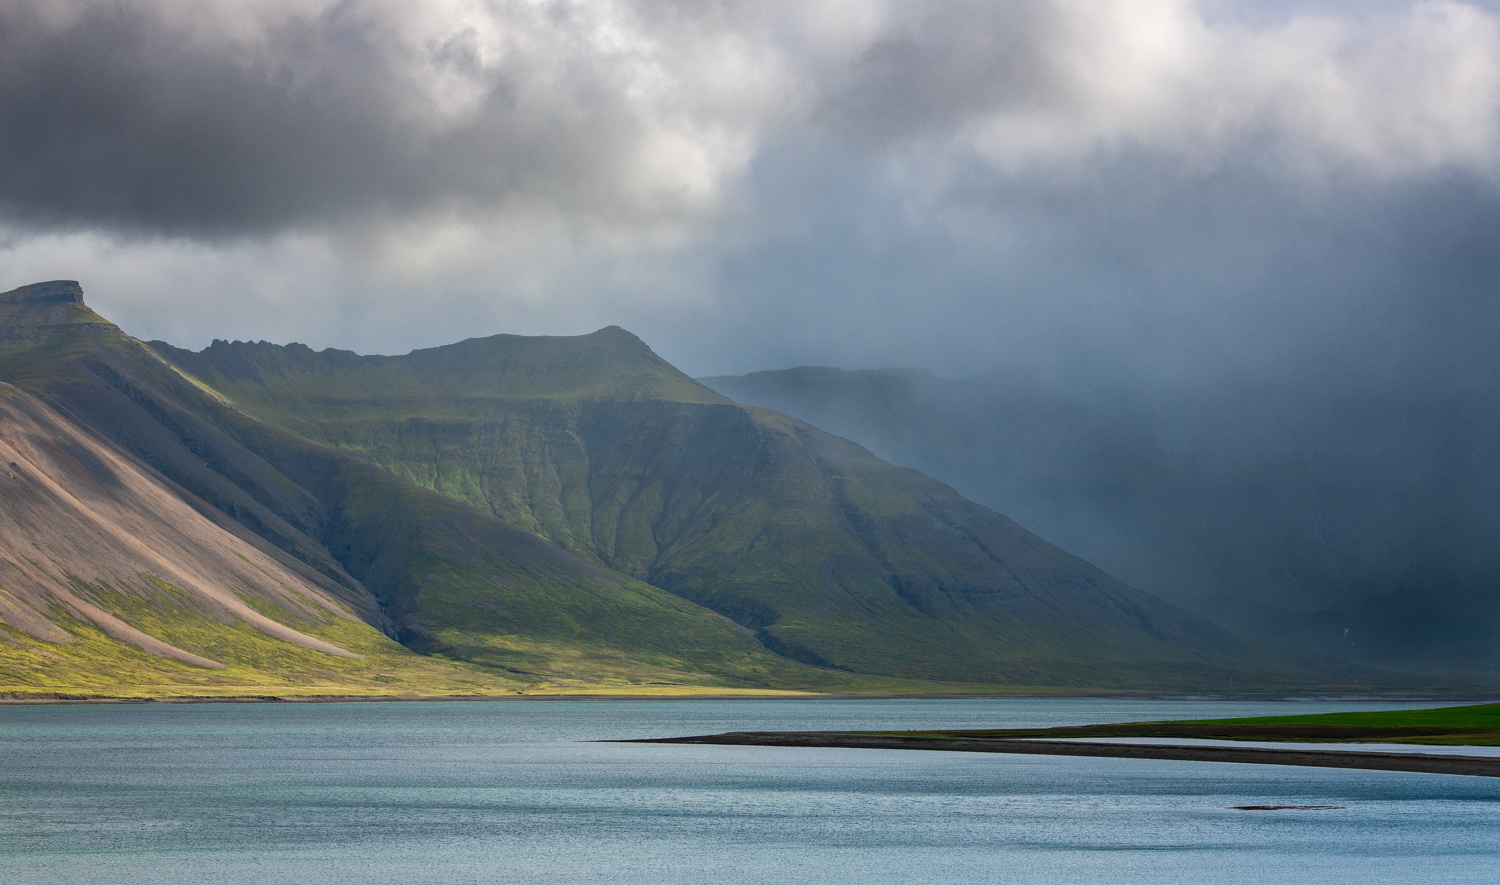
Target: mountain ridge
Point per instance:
(577, 508)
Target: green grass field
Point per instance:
(1473, 726)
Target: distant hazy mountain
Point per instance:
(539, 508)
(1353, 520)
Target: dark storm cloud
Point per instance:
(1162, 187)
(939, 64)
(118, 120)
(1106, 188)
(1234, 273)
(154, 117)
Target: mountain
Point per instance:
(555, 618)
(115, 580)
(1350, 519)
(542, 511)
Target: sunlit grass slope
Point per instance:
(1472, 725)
(94, 664)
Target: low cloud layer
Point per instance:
(1168, 190)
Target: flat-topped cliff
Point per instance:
(51, 292)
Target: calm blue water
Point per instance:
(509, 792)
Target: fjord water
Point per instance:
(507, 792)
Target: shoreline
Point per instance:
(63, 699)
(1476, 766)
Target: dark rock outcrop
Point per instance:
(51, 292)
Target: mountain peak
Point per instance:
(616, 332)
(50, 292)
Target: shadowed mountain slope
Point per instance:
(1357, 520)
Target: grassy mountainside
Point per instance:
(830, 556)
(115, 581)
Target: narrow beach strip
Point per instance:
(1427, 763)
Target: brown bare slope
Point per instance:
(80, 519)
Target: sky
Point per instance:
(1162, 192)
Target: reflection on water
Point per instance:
(511, 792)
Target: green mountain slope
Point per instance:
(568, 510)
(460, 581)
(115, 581)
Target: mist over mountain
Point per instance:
(1359, 520)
